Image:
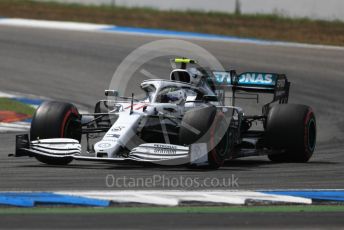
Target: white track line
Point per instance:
(14, 127)
(125, 197)
(274, 198)
(7, 95)
(52, 24)
(173, 198)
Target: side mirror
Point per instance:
(210, 98)
(111, 93)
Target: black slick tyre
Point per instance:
(55, 119)
(207, 125)
(292, 129)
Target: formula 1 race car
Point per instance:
(184, 120)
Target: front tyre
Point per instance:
(291, 128)
(55, 119)
(207, 125)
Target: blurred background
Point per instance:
(305, 21)
(315, 9)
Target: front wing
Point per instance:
(163, 154)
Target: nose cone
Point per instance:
(110, 148)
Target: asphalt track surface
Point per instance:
(176, 221)
(78, 66)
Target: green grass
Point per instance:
(16, 106)
(180, 210)
(270, 27)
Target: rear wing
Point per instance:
(276, 84)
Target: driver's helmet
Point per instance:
(195, 76)
(176, 97)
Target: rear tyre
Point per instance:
(291, 128)
(206, 125)
(55, 120)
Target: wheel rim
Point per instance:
(70, 126)
(311, 134)
(219, 143)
